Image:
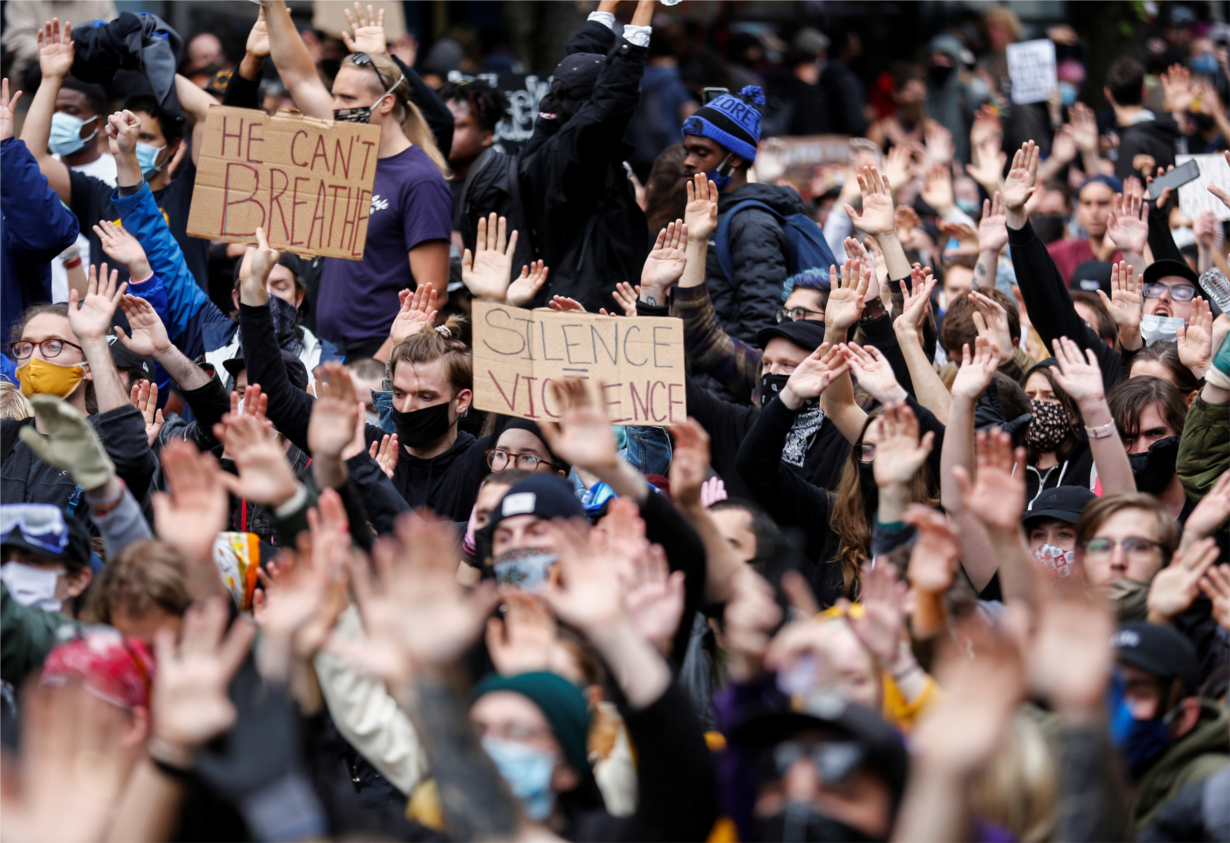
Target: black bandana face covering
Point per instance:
(1049, 427)
(1154, 468)
(419, 428)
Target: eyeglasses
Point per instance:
(798, 314)
(1132, 544)
(866, 453)
(42, 525)
(835, 761)
(1178, 292)
(498, 460)
(51, 348)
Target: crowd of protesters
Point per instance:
(939, 553)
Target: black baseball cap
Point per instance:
(1091, 276)
(542, 495)
(1158, 270)
(578, 73)
(296, 372)
(806, 335)
(1064, 503)
(127, 360)
(882, 747)
(1158, 650)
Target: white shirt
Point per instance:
(103, 169)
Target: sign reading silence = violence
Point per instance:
(633, 365)
(306, 181)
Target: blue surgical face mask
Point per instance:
(1069, 92)
(720, 181)
(528, 773)
(65, 136)
(1205, 63)
(969, 206)
(147, 155)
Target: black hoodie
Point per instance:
(760, 260)
(1158, 138)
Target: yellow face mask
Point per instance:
(38, 377)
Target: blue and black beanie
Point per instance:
(732, 120)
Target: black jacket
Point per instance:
(579, 203)
(760, 260)
(1158, 138)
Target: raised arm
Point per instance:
(1079, 376)
(844, 308)
(929, 389)
(196, 105)
(294, 63)
(55, 58)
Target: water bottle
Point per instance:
(1215, 285)
(670, 2)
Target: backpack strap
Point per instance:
(723, 233)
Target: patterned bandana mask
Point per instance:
(1049, 426)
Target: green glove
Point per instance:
(71, 442)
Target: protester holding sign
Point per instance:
(411, 207)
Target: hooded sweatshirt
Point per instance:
(1202, 752)
(1158, 137)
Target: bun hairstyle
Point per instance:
(432, 343)
(412, 121)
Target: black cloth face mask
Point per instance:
(771, 386)
(419, 428)
(801, 822)
(1154, 468)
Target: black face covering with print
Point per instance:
(1049, 427)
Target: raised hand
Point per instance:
(917, 294)
(488, 271)
(8, 108)
(993, 227)
(92, 320)
(1064, 148)
(700, 214)
(258, 37)
(881, 265)
(564, 304)
(1128, 226)
(898, 168)
(1084, 128)
(523, 641)
(1078, 374)
(996, 496)
(1196, 339)
(847, 297)
(1216, 587)
(149, 334)
(385, 454)
(712, 491)
(124, 249)
(988, 165)
(936, 552)
(1022, 179)
(1206, 227)
(939, 146)
(1177, 88)
(937, 188)
(368, 30)
(194, 509)
(588, 593)
(689, 463)
(964, 234)
(874, 373)
(1127, 299)
(857, 252)
(811, 377)
(259, 261)
(55, 49)
(991, 321)
(522, 291)
(123, 128)
(332, 424)
(417, 311)
(654, 596)
(880, 624)
(751, 616)
(625, 296)
(986, 127)
(665, 264)
(265, 474)
(1211, 512)
(1219, 192)
(190, 701)
(1177, 585)
(900, 453)
(976, 371)
(583, 436)
(145, 399)
(877, 216)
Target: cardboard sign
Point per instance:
(524, 91)
(1194, 196)
(518, 353)
(1031, 67)
(306, 181)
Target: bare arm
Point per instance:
(55, 60)
(1078, 374)
(429, 264)
(196, 105)
(294, 63)
(929, 389)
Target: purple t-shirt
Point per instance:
(411, 204)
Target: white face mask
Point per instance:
(31, 586)
(1155, 328)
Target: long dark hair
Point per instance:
(666, 189)
(1076, 425)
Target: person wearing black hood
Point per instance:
(1146, 140)
(578, 201)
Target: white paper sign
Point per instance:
(1031, 67)
(1194, 196)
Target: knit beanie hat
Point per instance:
(732, 120)
(561, 702)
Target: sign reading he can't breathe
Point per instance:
(306, 181)
(633, 365)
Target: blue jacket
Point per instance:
(34, 228)
(188, 309)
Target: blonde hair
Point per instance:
(13, 405)
(431, 344)
(1019, 788)
(412, 123)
